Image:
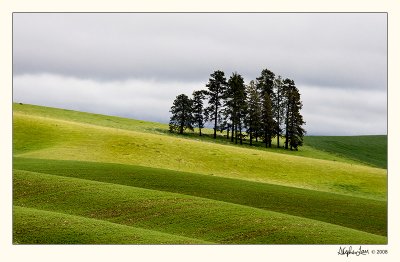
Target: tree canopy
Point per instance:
(216, 88)
(182, 114)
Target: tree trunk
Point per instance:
(240, 131)
(182, 123)
(266, 138)
(236, 133)
(278, 115)
(286, 138)
(233, 129)
(215, 121)
(287, 126)
(278, 140)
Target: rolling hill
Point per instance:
(370, 150)
(109, 174)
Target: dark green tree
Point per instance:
(228, 112)
(182, 116)
(288, 88)
(294, 130)
(226, 119)
(198, 114)
(253, 118)
(237, 94)
(265, 86)
(216, 88)
(267, 121)
(278, 107)
(265, 82)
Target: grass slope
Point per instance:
(77, 141)
(161, 129)
(370, 150)
(358, 213)
(33, 226)
(89, 118)
(175, 214)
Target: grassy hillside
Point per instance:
(312, 204)
(176, 214)
(370, 150)
(133, 174)
(35, 226)
(158, 128)
(69, 140)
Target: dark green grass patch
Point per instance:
(33, 226)
(176, 214)
(371, 150)
(358, 213)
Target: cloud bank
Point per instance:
(134, 64)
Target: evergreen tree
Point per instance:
(267, 121)
(198, 97)
(278, 107)
(265, 86)
(237, 93)
(182, 116)
(295, 131)
(228, 111)
(216, 88)
(288, 88)
(265, 82)
(253, 119)
(226, 119)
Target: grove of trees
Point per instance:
(268, 107)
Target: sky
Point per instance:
(135, 64)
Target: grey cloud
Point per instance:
(344, 111)
(134, 64)
(314, 49)
(146, 100)
(326, 111)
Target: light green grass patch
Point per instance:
(162, 129)
(103, 144)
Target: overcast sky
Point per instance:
(134, 65)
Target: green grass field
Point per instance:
(104, 174)
(371, 150)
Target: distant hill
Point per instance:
(371, 150)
